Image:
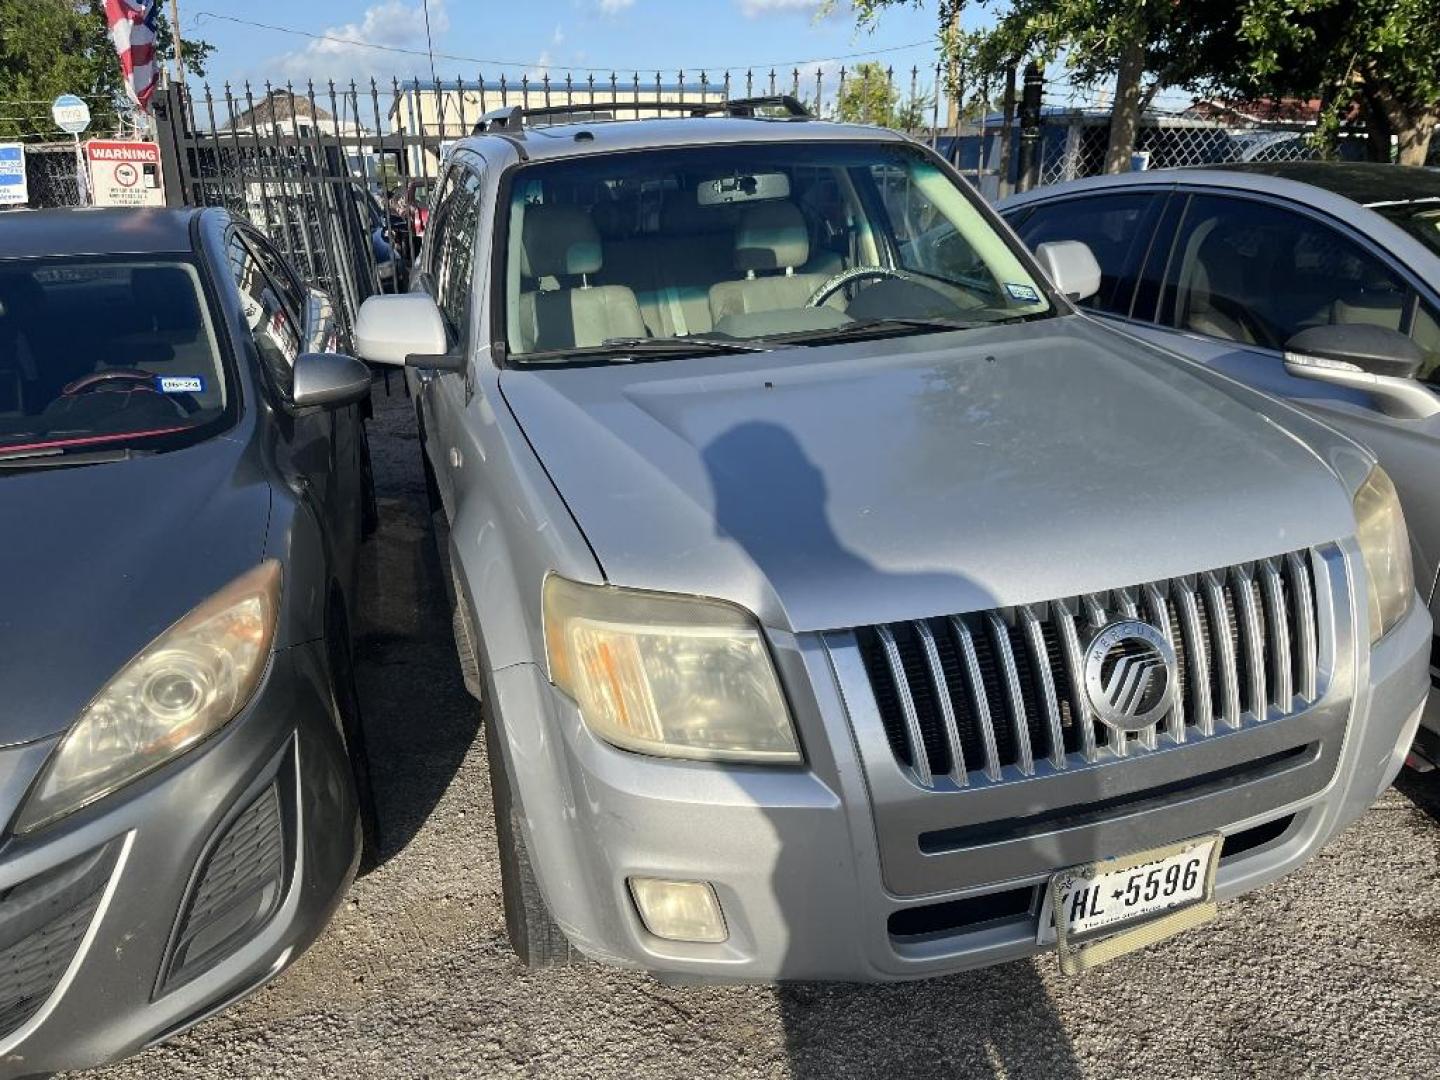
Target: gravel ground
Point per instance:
(1333, 971)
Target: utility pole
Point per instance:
(1032, 97)
(175, 37)
(950, 34)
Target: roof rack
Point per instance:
(514, 118)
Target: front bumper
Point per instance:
(799, 864)
(182, 892)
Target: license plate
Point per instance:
(1105, 909)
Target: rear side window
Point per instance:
(1117, 228)
(453, 259)
(1258, 274)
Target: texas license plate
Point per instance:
(1105, 909)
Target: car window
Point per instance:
(1257, 273)
(454, 251)
(273, 323)
(291, 291)
(1117, 229)
(1426, 333)
(795, 242)
(105, 352)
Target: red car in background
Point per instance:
(412, 201)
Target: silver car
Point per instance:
(1315, 281)
(844, 604)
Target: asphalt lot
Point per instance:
(1334, 971)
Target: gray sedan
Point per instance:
(183, 788)
(1317, 282)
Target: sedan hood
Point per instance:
(847, 485)
(96, 560)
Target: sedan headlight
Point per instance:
(667, 675)
(1385, 545)
(187, 684)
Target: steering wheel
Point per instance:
(856, 273)
(143, 380)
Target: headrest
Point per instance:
(558, 241)
(771, 236)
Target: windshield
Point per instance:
(100, 354)
(646, 254)
(1421, 219)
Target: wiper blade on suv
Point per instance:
(885, 327)
(635, 347)
(56, 457)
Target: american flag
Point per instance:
(132, 29)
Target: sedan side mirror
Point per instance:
(405, 329)
(332, 380)
(1380, 361)
(1071, 267)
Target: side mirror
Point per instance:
(329, 379)
(1375, 359)
(1071, 267)
(404, 329)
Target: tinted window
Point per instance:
(1256, 273)
(291, 292)
(1421, 219)
(1426, 333)
(273, 323)
(1117, 228)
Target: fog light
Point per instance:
(679, 910)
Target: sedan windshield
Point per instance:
(768, 245)
(104, 355)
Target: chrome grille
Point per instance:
(995, 695)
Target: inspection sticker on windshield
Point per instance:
(181, 384)
(1022, 292)
(1105, 909)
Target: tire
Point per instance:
(534, 934)
(347, 699)
(369, 506)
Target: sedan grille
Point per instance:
(995, 695)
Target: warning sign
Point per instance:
(125, 173)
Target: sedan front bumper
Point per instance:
(134, 918)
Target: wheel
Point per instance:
(347, 699)
(534, 935)
(369, 507)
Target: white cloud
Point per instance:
(614, 7)
(830, 9)
(397, 24)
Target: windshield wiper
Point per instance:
(885, 327)
(58, 457)
(627, 348)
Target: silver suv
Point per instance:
(846, 604)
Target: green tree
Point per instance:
(1380, 55)
(54, 47)
(869, 96)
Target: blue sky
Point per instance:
(558, 35)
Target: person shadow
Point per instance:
(998, 1021)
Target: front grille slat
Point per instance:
(1039, 659)
(1000, 633)
(986, 696)
(1080, 712)
(978, 696)
(1279, 619)
(942, 698)
(920, 760)
(1307, 661)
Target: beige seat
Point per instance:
(770, 240)
(559, 244)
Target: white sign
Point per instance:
(124, 173)
(13, 189)
(71, 114)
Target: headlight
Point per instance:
(1385, 544)
(185, 685)
(667, 675)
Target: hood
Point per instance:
(847, 485)
(97, 560)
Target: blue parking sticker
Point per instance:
(1021, 292)
(181, 384)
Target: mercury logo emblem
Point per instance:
(1130, 675)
